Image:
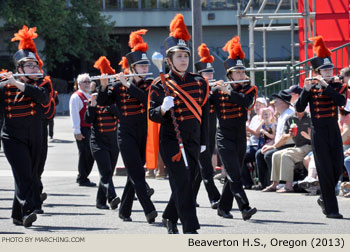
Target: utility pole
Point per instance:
(196, 29)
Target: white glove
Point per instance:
(168, 103)
(203, 148)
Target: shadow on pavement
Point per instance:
(67, 205)
(286, 222)
(7, 190)
(160, 201)
(67, 194)
(12, 233)
(261, 210)
(60, 141)
(56, 228)
(5, 199)
(5, 208)
(71, 214)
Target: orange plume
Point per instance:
(1, 72)
(320, 48)
(124, 64)
(136, 42)
(104, 65)
(234, 49)
(178, 28)
(25, 37)
(204, 53)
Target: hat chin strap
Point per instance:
(135, 71)
(173, 66)
(21, 66)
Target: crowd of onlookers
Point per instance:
(279, 155)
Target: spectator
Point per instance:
(264, 155)
(283, 161)
(252, 145)
(267, 128)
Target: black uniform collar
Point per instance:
(178, 78)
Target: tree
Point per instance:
(72, 30)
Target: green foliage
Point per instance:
(72, 30)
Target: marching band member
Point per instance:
(82, 131)
(324, 96)
(232, 103)
(188, 100)
(24, 104)
(205, 68)
(103, 141)
(130, 97)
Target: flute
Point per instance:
(230, 82)
(101, 77)
(19, 75)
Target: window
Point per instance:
(132, 4)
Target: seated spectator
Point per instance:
(267, 128)
(264, 155)
(310, 182)
(252, 143)
(283, 161)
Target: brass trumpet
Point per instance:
(101, 77)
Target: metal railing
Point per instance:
(291, 75)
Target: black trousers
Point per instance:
(106, 161)
(86, 160)
(132, 146)
(232, 150)
(38, 185)
(51, 125)
(206, 170)
(182, 201)
(329, 159)
(24, 157)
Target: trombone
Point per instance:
(102, 77)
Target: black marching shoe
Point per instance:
(114, 203)
(87, 183)
(17, 222)
(334, 216)
(248, 213)
(102, 206)
(43, 197)
(29, 219)
(151, 217)
(214, 204)
(150, 192)
(191, 232)
(321, 204)
(224, 214)
(124, 218)
(171, 227)
(39, 211)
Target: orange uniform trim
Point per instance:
(192, 105)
